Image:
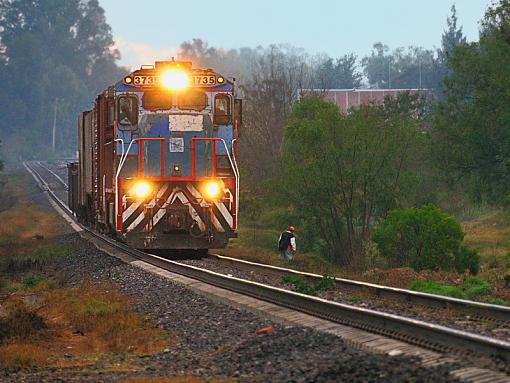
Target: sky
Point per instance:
(153, 29)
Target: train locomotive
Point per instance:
(157, 159)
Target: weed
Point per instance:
(176, 379)
(32, 281)
(7, 240)
(475, 286)
(498, 301)
(21, 355)
(21, 324)
(106, 317)
(301, 286)
(437, 288)
(39, 258)
(470, 288)
(12, 287)
(95, 307)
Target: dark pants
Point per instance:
(286, 255)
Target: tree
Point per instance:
(471, 135)
(340, 173)
(452, 38)
(54, 53)
(341, 73)
(414, 67)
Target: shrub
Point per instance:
(467, 259)
(32, 281)
(424, 238)
(21, 324)
(300, 285)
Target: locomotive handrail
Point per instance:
(124, 154)
(234, 167)
(117, 173)
(234, 155)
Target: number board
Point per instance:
(196, 80)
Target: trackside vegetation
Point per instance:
(424, 238)
(341, 172)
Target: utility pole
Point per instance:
(419, 63)
(389, 73)
(54, 130)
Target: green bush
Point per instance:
(424, 238)
(467, 259)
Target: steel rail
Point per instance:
(478, 308)
(487, 310)
(66, 187)
(414, 331)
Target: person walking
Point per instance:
(287, 244)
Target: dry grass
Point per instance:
(45, 322)
(88, 322)
(490, 234)
(177, 379)
(105, 318)
(22, 355)
(22, 222)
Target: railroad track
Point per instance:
(479, 309)
(418, 332)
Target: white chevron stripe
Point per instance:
(224, 212)
(170, 200)
(196, 194)
(216, 223)
(130, 210)
(136, 222)
(221, 207)
(140, 218)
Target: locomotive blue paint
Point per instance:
(156, 125)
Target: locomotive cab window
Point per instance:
(222, 109)
(157, 100)
(127, 111)
(193, 100)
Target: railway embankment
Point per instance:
(187, 335)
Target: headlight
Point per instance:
(175, 79)
(141, 189)
(212, 190)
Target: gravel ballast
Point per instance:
(215, 340)
(446, 317)
(211, 339)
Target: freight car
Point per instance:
(157, 159)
